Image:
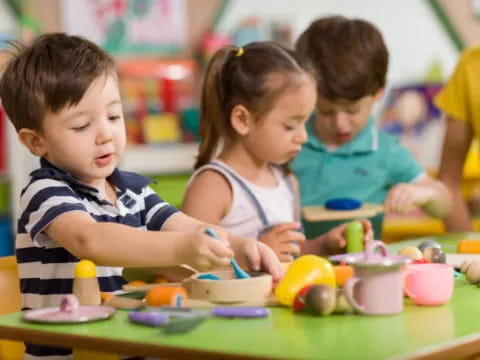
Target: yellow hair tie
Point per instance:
(239, 51)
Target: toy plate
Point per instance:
(82, 314)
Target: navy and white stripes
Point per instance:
(46, 268)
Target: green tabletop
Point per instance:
(418, 332)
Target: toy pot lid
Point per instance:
(371, 259)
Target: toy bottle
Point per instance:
(85, 283)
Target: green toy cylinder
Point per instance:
(354, 237)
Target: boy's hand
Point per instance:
(334, 241)
(256, 255)
(203, 252)
(403, 198)
(283, 240)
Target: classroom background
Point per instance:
(161, 47)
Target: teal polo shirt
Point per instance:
(364, 169)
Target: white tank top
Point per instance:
(255, 208)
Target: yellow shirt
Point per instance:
(460, 98)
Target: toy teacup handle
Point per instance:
(374, 245)
(349, 289)
(409, 293)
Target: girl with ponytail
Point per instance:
(255, 103)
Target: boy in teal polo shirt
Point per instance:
(346, 155)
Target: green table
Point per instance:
(452, 330)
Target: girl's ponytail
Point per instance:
(212, 105)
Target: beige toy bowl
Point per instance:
(229, 289)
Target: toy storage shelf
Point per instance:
(160, 159)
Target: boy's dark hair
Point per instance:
(240, 76)
(349, 55)
(49, 75)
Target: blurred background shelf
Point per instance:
(161, 159)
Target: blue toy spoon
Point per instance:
(239, 272)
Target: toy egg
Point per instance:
(473, 272)
(464, 266)
(341, 304)
(434, 255)
(428, 243)
(411, 252)
(320, 299)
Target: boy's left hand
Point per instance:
(403, 198)
(335, 240)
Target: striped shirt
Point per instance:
(45, 267)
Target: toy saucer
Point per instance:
(372, 259)
(69, 312)
(348, 258)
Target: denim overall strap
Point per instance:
(248, 192)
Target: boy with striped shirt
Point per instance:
(61, 94)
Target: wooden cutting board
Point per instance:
(320, 213)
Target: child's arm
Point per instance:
(113, 244)
(427, 193)
(208, 199)
(458, 137)
(334, 241)
(284, 238)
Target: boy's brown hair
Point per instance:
(49, 75)
(349, 55)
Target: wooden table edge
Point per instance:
(123, 347)
(460, 348)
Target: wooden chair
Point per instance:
(10, 301)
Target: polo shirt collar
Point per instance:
(366, 140)
(123, 180)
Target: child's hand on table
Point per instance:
(334, 241)
(250, 253)
(283, 239)
(256, 256)
(403, 198)
(203, 252)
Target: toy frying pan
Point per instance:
(69, 312)
(321, 213)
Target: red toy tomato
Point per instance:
(299, 300)
(420, 261)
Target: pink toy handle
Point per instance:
(69, 304)
(374, 245)
(405, 286)
(349, 288)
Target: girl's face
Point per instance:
(278, 135)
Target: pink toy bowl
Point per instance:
(429, 284)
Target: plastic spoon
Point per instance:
(239, 272)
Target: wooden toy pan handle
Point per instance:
(148, 274)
